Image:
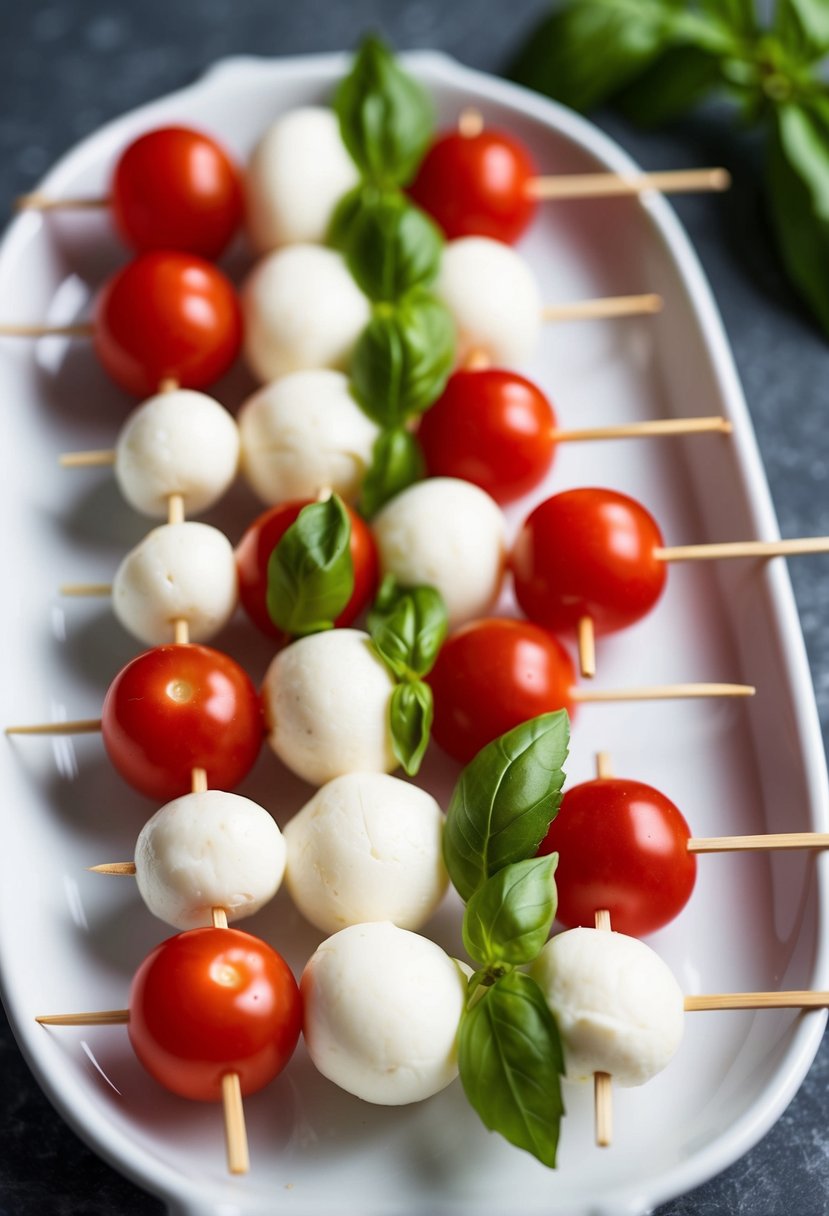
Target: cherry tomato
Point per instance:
(622, 846)
(177, 189)
(493, 428)
(258, 543)
(167, 316)
(209, 1002)
(176, 708)
(588, 553)
(492, 675)
(476, 185)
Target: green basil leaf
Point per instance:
(408, 626)
(403, 358)
(386, 117)
(674, 83)
(392, 246)
(310, 572)
(396, 462)
(509, 918)
(803, 27)
(505, 800)
(411, 713)
(346, 213)
(510, 1060)
(739, 15)
(798, 186)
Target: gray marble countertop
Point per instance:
(66, 66)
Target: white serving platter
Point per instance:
(70, 940)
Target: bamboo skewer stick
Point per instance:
(80, 329)
(602, 1081)
(104, 1017)
(743, 548)
(80, 726)
(587, 647)
(113, 867)
(96, 458)
(746, 844)
(608, 185)
(36, 201)
(644, 430)
(603, 767)
(610, 306)
(236, 1138)
(664, 692)
(798, 999)
(470, 122)
(86, 589)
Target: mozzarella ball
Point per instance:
(299, 171)
(177, 572)
(449, 534)
(382, 1008)
(208, 850)
(326, 700)
(176, 443)
(618, 1007)
(302, 309)
(303, 433)
(493, 297)
(367, 847)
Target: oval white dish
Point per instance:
(753, 922)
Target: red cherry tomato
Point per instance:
(177, 189)
(622, 846)
(493, 428)
(492, 675)
(176, 708)
(258, 543)
(209, 1002)
(588, 553)
(476, 185)
(167, 316)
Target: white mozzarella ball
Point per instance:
(208, 850)
(367, 847)
(177, 572)
(177, 443)
(302, 309)
(299, 171)
(326, 700)
(303, 433)
(493, 297)
(617, 1004)
(381, 1013)
(449, 534)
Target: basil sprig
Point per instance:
(390, 245)
(311, 572)
(396, 462)
(407, 627)
(508, 919)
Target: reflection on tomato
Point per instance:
(622, 846)
(177, 189)
(588, 552)
(167, 316)
(258, 543)
(492, 675)
(176, 708)
(210, 1002)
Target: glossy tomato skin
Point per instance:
(209, 1002)
(167, 316)
(175, 188)
(258, 543)
(493, 428)
(180, 707)
(623, 846)
(477, 185)
(490, 676)
(588, 552)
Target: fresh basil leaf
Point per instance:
(346, 213)
(386, 117)
(798, 186)
(411, 714)
(408, 626)
(396, 462)
(310, 572)
(739, 15)
(508, 919)
(505, 800)
(403, 358)
(803, 27)
(674, 83)
(510, 1060)
(392, 246)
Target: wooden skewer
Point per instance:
(587, 647)
(87, 460)
(113, 867)
(603, 769)
(199, 780)
(606, 185)
(236, 1138)
(81, 329)
(175, 509)
(602, 1081)
(470, 122)
(81, 726)
(104, 1017)
(743, 548)
(86, 589)
(219, 918)
(662, 692)
(610, 306)
(644, 430)
(771, 840)
(802, 999)
(42, 202)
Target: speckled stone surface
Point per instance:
(69, 65)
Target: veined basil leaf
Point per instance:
(408, 626)
(310, 572)
(396, 462)
(508, 919)
(346, 213)
(410, 716)
(386, 117)
(510, 1060)
(403, 358)
(505, 800)
(803, 27)
(391, 247)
